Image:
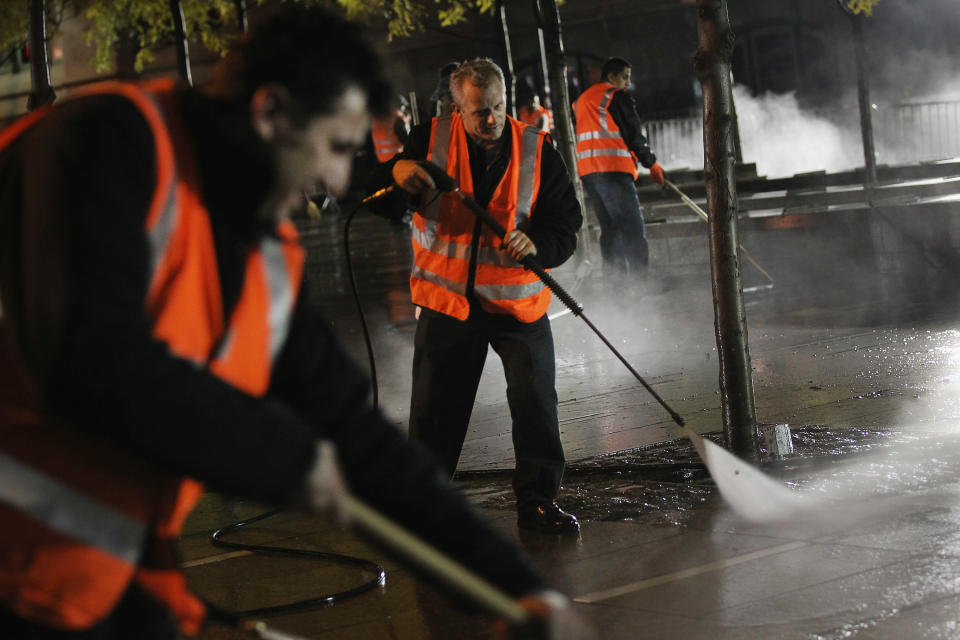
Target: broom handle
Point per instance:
(441, 566)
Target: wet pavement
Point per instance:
(868, 378)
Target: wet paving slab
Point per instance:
(869, 385)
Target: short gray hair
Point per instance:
(481, 72)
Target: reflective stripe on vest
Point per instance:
(386, 144)
(600, 147)
(281, 299)
(443, 230)
(532, 116)
(70, 512)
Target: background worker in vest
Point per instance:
(390, 132)
(155, 328)
(610, 142)
(473, 293)
(530, 111)
(441, 97)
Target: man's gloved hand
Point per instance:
(656, 173)
(552, 618)
(326, 489)
(411, 177)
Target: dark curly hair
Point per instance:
(613, 65)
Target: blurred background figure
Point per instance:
(529, 109)
(441, 96)
(390, 132)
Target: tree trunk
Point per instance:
(712, 66)
(551, 42)
(511, 77)
(41, 91)
(127, 47)
(863, 95)
(548, 18)
(241, 6)
(180, 43)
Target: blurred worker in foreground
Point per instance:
(474, 293)
(156, 333)
(610, 142)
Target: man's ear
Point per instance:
(269, 108)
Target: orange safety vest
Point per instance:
(532, 116)
(443, 230)
(83, 518)
(599, 144)
(385, 141)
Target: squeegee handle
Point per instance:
(438, 564)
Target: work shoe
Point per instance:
(546, 517)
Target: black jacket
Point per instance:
(624, 112)
(74, 193)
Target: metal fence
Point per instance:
(918, 132)
(903, 133)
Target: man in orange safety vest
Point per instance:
(610, 144)
(473, 292)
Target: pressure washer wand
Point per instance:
(445, 183)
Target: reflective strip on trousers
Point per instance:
(74, 514)
(593, 153)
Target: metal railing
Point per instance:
(918, 132)
(903, 134)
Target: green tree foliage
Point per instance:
(14, 20)
(150, 24)
(405, 17)
(213, 22)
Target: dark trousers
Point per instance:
(623, 242)
(447, 363)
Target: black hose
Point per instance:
(234, 617)
(356, 299)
